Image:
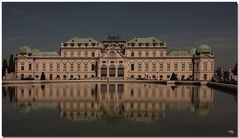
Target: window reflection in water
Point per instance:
(136, 102)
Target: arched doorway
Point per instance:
(103, 71)
(120, 71)
(112, 70)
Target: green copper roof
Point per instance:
(81, 40)
(149, 40)
(25, 49)
(204, 48)
(45, 53)
(36, 52)
(193, 51)
(178, 53)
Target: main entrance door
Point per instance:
(112, 71)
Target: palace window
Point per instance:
(147, 44)
(161, 53)
(175, 66)
(147, 53)
(132, 66)
(37, 66)
(154, 67)
(79, 44)
(72, 54)
(161, 66)
(65, 53)
(132, 54)
(132, 92)
(72, 67)
(93, 54)
(146, 66)
(43, 66)
(58, 66)
(78, 67)
(78, 53)
(86, 67)
(64, 67)
(190, 66)
(154, 53)
(205, 66)
(139, 67)
(65, 44)
(51, 67)
(168, 66)
(183, 66)
(86, 53)
(140, 54)
(30, 66)
(197, 66)
(92, 67)
(22, 66)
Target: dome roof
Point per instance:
(25, 49)
(204, 48)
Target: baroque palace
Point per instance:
(114, 58)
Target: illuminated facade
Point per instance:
(113, 58)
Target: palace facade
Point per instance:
(114, 58)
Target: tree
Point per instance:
(43, 77)
(173, 76)
(4, 67)
(11, 67)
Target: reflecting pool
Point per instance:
(117, 109)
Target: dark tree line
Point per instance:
(10, 66)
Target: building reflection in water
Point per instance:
(137, 102)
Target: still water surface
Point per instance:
(117, 109)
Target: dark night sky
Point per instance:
(181, 25)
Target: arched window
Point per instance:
(93, 54)
(212, 66)
(204, 66)
(147, 53)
